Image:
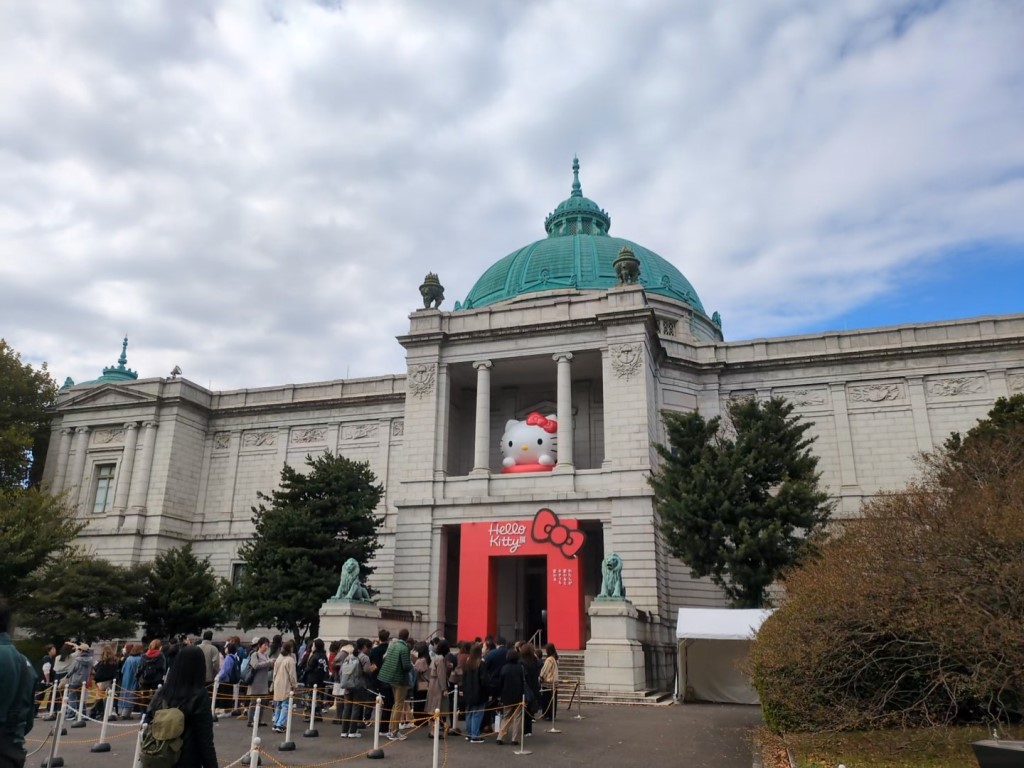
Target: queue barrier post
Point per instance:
(254, 751)
(138, 750)
(376, 753)
(213, 701)
(311, 732)
(108, 706)
(55, 760)
(80, 718)
(437, 736)
(524, 713)
(235, 711)
(288, 745)
(455, 709)
(579, 703)
(53, 693)
(554, 708)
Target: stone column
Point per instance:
(564, 406)
(63, 452)
(124, 472)
(139, 489)
(78, 468)
(482, 442)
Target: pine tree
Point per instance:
(182, 595)
(739, 504)
(313, 524)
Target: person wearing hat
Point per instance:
(78, 674)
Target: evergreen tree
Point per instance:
(34, 528)
(182, 595)
(84, 598)
(313, 524)
(26, 395)
(739, 504)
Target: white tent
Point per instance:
(713, 642)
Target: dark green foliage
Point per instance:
(739, 505)
(911, 615)
(25, 397)
(182, 595)
(82, 598)
(313, 524)
(35, 527)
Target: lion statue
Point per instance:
(349, 587)
(611, 579)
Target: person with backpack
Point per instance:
(130, 668)
(228, 676)
(178, 730)
(395, 672)
(355, 671)
(151, 672)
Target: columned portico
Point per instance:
(482, 441)
(78, 469)
(564, 417)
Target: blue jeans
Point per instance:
(474, 718)
(280, 713)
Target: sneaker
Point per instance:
(476, 740)
(355, 735)
(530, 733)
(499, 742)
(278, 730)
(406, 726)
(514, 743)
(392, 736)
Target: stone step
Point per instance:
(634, 698)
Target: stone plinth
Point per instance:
(348, 619)
(614, 659)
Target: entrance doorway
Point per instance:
(522, 596)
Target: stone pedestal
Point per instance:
(614, 659)
(348, 619)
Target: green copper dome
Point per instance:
(577, 253)
(120, 372)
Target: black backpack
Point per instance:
(152, 673)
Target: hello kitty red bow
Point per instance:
(548, 425)
(547, 528)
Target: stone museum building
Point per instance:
(596, 334)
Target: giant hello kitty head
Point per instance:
(531, 445)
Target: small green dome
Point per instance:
(577, 253)
(120, 372)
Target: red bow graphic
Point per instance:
(547, 528)
(548, 425)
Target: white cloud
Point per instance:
(254, 191)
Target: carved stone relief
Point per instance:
(1015, 382)
(107, 436)
(890, 392)
(803, 398)
(626, 360)
(259, 439)
(358, 431)
(421, 380)
(221, 441)
(740, 397)
(305, 436)
(956, 386)
(398, 427)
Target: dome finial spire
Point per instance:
(122, 361)
(577, 190)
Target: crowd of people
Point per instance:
(493, 679)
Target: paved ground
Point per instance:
(694, 735)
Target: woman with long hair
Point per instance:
(103, 674)
(549, 682)
(437, 680)
(285, 680)
(475, 684)
(185, 688)
(129, 679)
(531, 667)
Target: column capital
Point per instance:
(482, 364)
(151, 425)
(131, 424)
(560, 357)
(82, 430)
(67, 430)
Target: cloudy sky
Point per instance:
(254, 190)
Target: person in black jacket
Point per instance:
(513, 686)
(186, 689)
(531, 666)
(316, 672)
(103, 674)
(475, 688)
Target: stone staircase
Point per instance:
(570, 672)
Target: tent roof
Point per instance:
(720, 623)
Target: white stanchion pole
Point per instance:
(579, 705)
(376, 753)
(138, 750)
(55, 760)
(254, 751)
(455, 708)
(312, 732)
(108, 705)
(437, 736)
(235, 711)
(80, 720)
(213, 701)
(54, 694)
(288, 745)
(523, 714)
(554, 709)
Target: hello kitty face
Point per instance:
(533, 443)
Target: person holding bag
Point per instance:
(549, 682)
(437, 681)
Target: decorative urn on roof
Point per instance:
(627, 266)
(432, 291)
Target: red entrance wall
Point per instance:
(478, 590)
